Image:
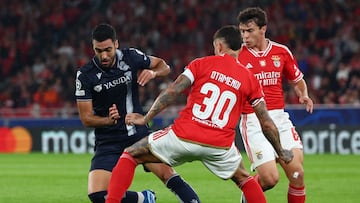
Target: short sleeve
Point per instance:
(83, 87)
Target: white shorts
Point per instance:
(258, 148)
(165, 145)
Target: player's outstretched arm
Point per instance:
(165, 99)
(301, 91)
(271, 132)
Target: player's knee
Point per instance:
(98, 197)
(297, 178)
(269, 181)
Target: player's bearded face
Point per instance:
(105, 51)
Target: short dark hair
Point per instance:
(103, 32)
(255, 14)
(231, 35)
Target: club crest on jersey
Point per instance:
(262, 63)
(276, 61)
(259, 155)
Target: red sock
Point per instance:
(121, 178)
(257, 179)
(296, 195)
(252, 191)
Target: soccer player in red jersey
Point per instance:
(270, 62)
(205, 128)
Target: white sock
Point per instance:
(141, 197)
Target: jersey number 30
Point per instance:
(214, 105)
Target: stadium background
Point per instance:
(42, 43)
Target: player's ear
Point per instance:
(116, 44)
(263, 28)
(217, 47)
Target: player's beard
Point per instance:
(107, 63)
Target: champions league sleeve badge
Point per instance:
(79, 91)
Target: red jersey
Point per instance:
(220, 87)
(269, 67)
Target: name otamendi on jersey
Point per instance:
(225, 79)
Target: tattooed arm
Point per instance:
(165, 99)
(271, 132)
(168, 96)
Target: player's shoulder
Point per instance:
(199, 60)
(200, 64)
(89, 70)
(279, 47)
(88, 67)
(210, 58)
(206, 62)
(129, 51)
(131, 55)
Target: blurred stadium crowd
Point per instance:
(42, 44)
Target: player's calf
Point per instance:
(183, 191)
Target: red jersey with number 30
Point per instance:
(220, 87)
(269, 67)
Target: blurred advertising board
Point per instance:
(333, 131)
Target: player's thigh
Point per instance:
(258, 148)
(224, 163)
(268, 172)
(100, 171)
(98, 180)
(289, 138)
(167, 147)
(263, 155)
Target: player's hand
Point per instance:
(308, 102)
(134, 119)
(145, 76)
(114, 114)
(286, 155)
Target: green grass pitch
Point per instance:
(62, 178)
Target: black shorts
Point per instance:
(104, 161)
(106, 156)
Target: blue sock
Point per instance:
(182, 190)
(99, 197)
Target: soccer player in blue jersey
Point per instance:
(106, 90)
